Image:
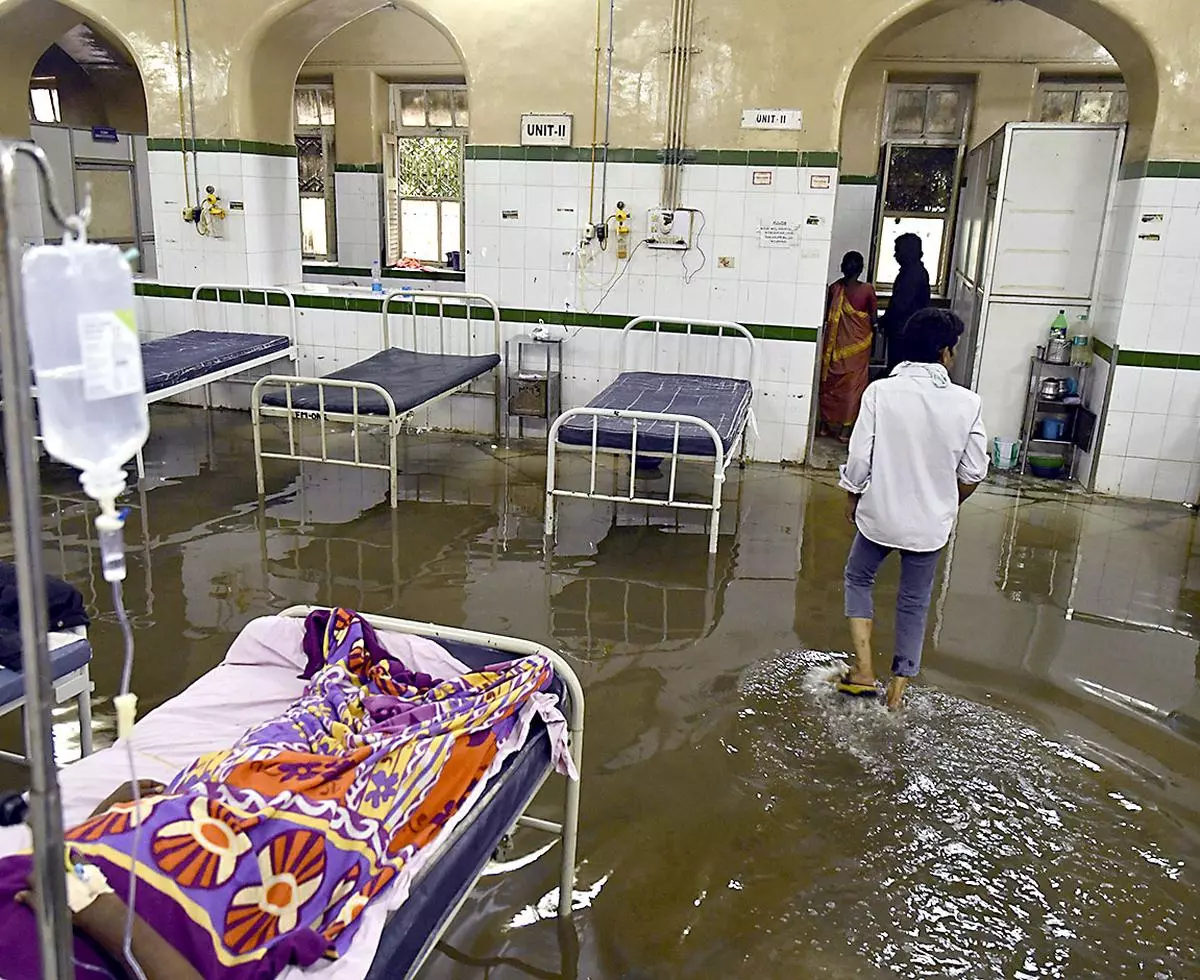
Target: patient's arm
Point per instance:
(104, 922)
(124, 794)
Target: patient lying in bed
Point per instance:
(267, 853)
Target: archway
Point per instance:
(362, 75)
(942, 77)
(47, 40)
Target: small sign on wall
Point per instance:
(541, 129)
(761, 178)
(778, 234)
(105, 134)
(772, 119)
(820, 182)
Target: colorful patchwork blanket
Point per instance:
(265, 854)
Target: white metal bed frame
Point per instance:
(719, 459)
(77, 685)
(393, 420)
(566, 830)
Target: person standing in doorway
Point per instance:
(918, 451)
(910, 292)
(846, 353)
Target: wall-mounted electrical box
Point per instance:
(669, 229)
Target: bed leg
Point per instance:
(256, 427)
(714, 529)
(141, 466)
(392, 466)
(570, 831)
(551, 466)
(84, 701)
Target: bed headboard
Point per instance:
(438, 308)
(217, 288)
(685, 330)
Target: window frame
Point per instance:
(325, 130)
(939, 277)
(45, 83)
(1079, 86)
(400, 132)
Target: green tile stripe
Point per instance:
(871, 179)
(1102, 349)
(222, 146)
(446, 275)
(358, 168)
(1160, 168)
(1158, 359)
(354, 304)
(616, 154)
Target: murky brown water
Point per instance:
(1034, 813)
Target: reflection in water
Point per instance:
(1035, 812)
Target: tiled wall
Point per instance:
(853, 221)
(333, 338)
(524, 223)
(1149, 310)
(260, 244)
(358, 216)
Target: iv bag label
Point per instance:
(112, 359)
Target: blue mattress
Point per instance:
(724, 403)
(411, 379)
(410, 931)
(65, 659)
(170, 361)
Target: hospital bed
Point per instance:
(197, 358)
(386, 389)
(70, 666)
(258, 680)
(673, 415)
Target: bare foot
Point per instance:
(856, 676)
(895, 692)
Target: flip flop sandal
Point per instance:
(855, 690)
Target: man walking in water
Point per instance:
(917, 452)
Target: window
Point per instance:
(424, 170)
(1066, 100)
(43, 100)
(924, 139)
(314, 120)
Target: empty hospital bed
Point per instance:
(71, 680)
(258, 679)
(387, 388)
(699, 415)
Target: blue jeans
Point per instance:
(917, 569)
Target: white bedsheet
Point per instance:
(256, 681)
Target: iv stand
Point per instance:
(55, 942)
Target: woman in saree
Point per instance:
(846, 355)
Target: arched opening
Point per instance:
(928, 90)
(346, 82)
(944, 78)
(384, 96)
(85, 79)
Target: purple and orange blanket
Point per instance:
(265, 854)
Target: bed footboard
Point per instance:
(357, 418)
(719, 459)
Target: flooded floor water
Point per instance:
(1035, 812)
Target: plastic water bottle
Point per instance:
(86, 360)
(376, 281)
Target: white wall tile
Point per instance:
(1109, 471)
(1155, 391)
(1116, 433)
(1137, 477)
(1171, 481)
(1146, 435)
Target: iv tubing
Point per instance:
(55, 943)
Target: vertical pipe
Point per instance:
(24, 493)
(187, 40)
(595, 117)
(672, 87)
(685, 96)
(607, 114)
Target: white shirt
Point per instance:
(917, 437)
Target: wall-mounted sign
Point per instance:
(772, 119)
(104, 134)
(761, 178)
(541, 129)
(820, 182)
(778, 234)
